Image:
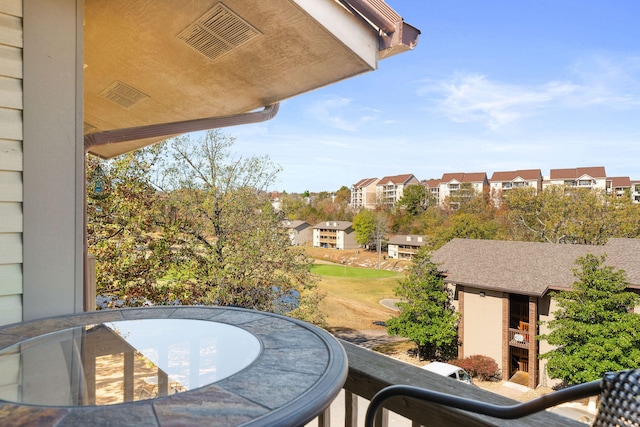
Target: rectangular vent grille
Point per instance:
(123, 94)
(217, 32)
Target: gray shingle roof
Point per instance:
(402, 239)
(528, 268)
(295, 224)
(332, 225)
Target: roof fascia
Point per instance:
(493, 288)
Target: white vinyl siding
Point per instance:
(11, 157)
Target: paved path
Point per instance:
(390, 303)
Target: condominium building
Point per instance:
(390, 188)
(502, 182)
(404, 246)
(451, 183)
(618, 185)
(363, 193)
(334, 235)
(588, 177)
(433, 187)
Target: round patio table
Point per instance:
(168, 366)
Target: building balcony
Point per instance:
(519, 338)
(328, 239)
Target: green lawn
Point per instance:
(353, 295)
(351, 272)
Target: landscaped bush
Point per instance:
(482, 367)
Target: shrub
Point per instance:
(482, 367)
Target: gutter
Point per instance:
(395, 35)
(160, 130)
(167, 130)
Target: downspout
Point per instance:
(156, 131)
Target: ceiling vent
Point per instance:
(123, 94)
(217, 32)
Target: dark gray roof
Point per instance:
(528, 268)
(295, 224)
(401, 239)
(332, 225)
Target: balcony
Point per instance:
(519, 338)
(369, 372)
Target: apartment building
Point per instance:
(503, 289)
(618, 185)
(451, 183)
(390, 188)
(404, 246)
(363, 193)
(334, 235)
(502, 182)
(300, 232)
(587, 177)
(433, 187)
(635, 191)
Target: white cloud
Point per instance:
(474, 98)
(608, 80)
(341, 113)
(612, 83)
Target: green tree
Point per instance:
(465, 195)
(565, 214)
(343, 195)
(416, 199)
(122, 229)
(371, 228)
(231, 235)
(462, 225)
(593, 330)
(189, 223)
(426, 316)
(364, 224)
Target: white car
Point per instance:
(448, 370)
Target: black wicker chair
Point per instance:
(619, 400)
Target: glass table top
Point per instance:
(123, 361)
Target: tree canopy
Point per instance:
(565, 214)
(427, 316)
(416, 199)
(594, 330)
(208, 217)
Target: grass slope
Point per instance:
(353, 296)
(351, 272)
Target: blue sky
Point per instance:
(493, 85)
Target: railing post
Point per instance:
(324, 419)
(350, 409)
(382, 418)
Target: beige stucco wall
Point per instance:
(482, 324)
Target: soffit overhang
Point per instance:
(150, 62)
